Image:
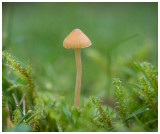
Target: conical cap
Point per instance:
(76, 39)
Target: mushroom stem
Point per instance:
(78, 77)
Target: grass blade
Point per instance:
(140, 68)
(37, 113)
(24, 117)
(121, 42)
(137, 112)
(19, 108)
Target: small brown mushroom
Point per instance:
(77, 39)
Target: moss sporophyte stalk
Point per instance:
(77, 40)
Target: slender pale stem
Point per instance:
(78, 77)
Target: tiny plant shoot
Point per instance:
(77, 39)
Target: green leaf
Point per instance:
(20, 128)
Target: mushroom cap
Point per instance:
(76, 39)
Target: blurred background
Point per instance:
(121, 33)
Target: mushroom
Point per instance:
(77, 39)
